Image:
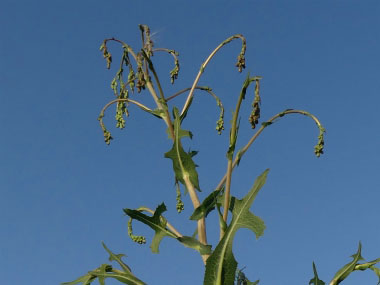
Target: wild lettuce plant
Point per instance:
(137, 73)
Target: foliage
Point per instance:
(220, 264)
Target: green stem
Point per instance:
(231, 149)
(161, 104)
(203, 88)
(130, 50)
(259, 131)
(141, 106)
(203, 66)
(151, 67)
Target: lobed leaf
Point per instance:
(243, 280)
(315, 280)
(106, 271)
(183, 164)
(156, 222)
(206, 206)
(85, 280)
(377, 272)
(193, 243)
(348, 268)
(117, 258)
(123, 277)
(221, 265)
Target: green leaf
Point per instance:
(315, 280)
(233, 139)
(239, 156)
(183, 163)
(243, 280)
(221, 265)
(377, 272)
(366, 265)
(117, 258)
(102, 270)
(156, 222)
(159, 113)
(85, 280)
(195, 244)
(348, 268)
(206, 207)
(370, 265)
(123, 277)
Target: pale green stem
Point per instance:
(204, 88)
(150, 64)
(141, 106)
(189, 186)
(203, 66)
(259, 131)
(231, 150)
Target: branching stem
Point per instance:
(161, 104)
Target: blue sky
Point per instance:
(63, 190)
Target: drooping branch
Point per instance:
(240, 64)
(318, 149)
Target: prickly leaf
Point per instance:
(85, 280)
(183, 163)
(315, 280)
(348, 268)
(206, 207)
(377, 272)
(123, 277)
(117, 258)
(221, 265)
(156, 222)
(195, 244)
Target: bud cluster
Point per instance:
(138, 239)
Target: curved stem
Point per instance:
(203, 66)
(259, 131)
(204, 88)
(171, 51)
(141, 106)
(130, 50)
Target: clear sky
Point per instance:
(63, 190)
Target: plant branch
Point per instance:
(272, 120)
(202, 237)
(204, 88)
(231, 149)
(101, 115)
(161, 104)
(175, 70)
(130, 50)
(240, 64)
(151, 67)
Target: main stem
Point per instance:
(189, 186)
